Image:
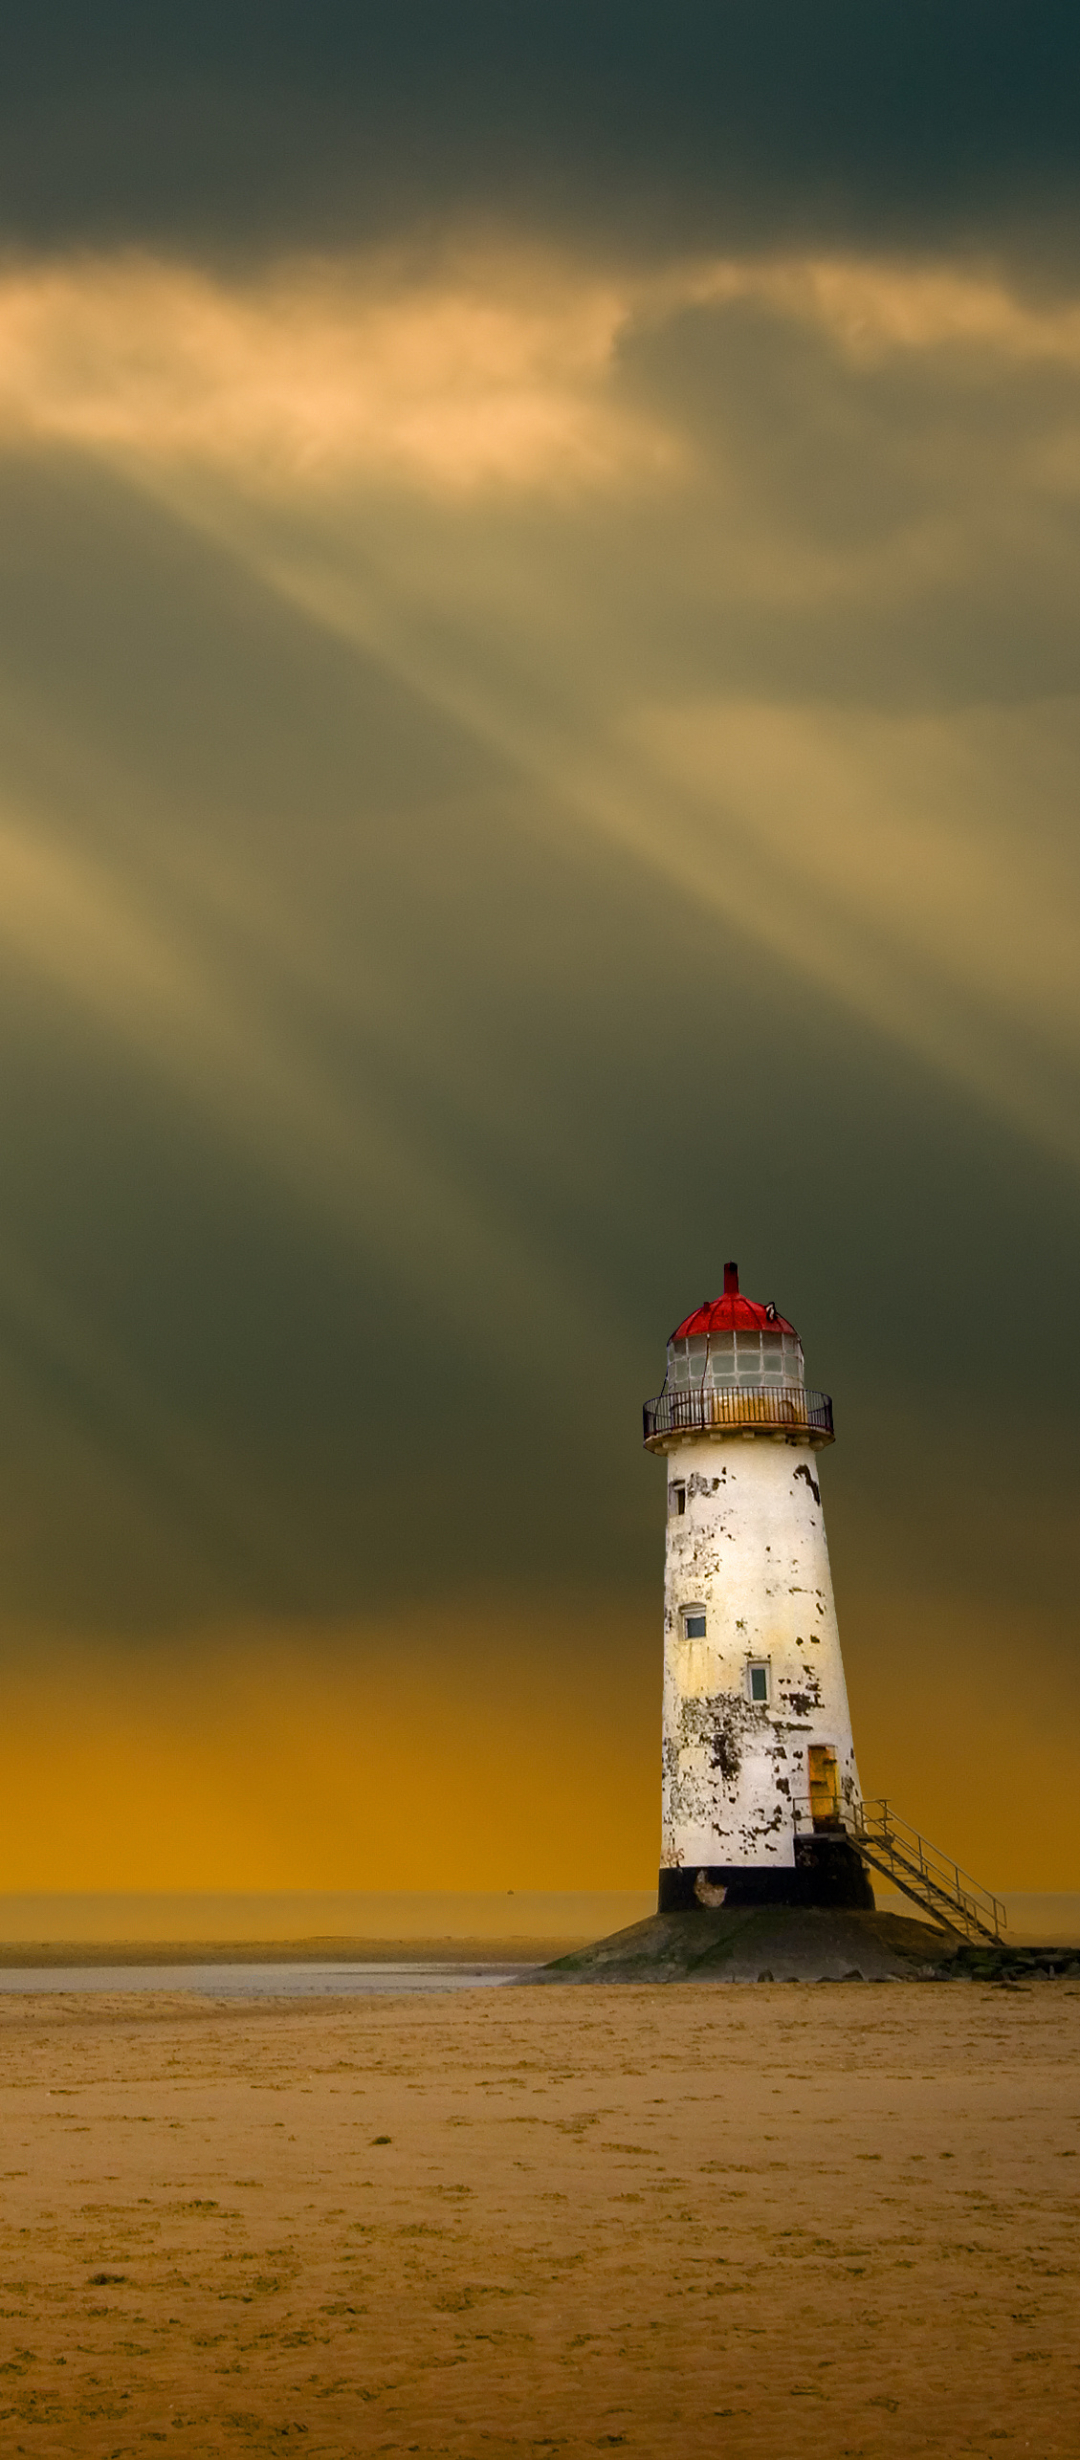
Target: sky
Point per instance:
(539, 740)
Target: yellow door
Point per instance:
(824, 1786)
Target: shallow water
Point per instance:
(269, 1981)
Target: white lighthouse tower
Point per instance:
(759, 1765)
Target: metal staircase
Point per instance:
(934, 1883)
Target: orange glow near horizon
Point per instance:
(473, 1751)
(445, 1752)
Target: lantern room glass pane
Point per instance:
(747, 1358)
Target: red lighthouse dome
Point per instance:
(732, 1313)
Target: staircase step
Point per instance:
(908, 1861)
(927, 1895)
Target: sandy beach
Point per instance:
(787, 2221)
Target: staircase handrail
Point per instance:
(958, 1909)
(879, 1824)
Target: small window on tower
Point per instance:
(757, 1685)
(677, 1497)
(693, 1622)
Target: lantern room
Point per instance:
(734, 1341)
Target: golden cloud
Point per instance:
(872, 307)
(490, 373)
(495, 369)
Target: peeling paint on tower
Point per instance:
(758, 1761)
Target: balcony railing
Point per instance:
(783, 1408)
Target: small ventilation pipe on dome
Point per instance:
(731, 1281)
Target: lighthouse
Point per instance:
(759, 1776)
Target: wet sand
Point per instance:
(803, 2222)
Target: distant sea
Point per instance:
(514, 1921)
(511, 1923)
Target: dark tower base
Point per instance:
(827, 1871)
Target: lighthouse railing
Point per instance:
(788, 1407)
(922, 1871)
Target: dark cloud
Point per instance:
(752, 120)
